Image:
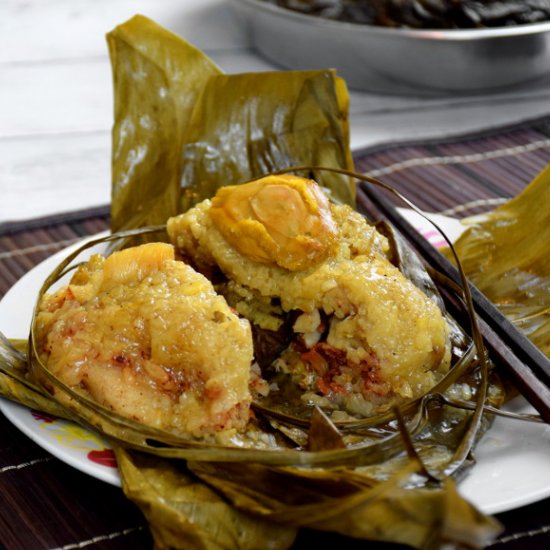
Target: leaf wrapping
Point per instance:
(505, 254)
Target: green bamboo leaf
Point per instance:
(354, 504)
(183, 128)
(157, 77)
(184, 513)
(509, 263)
(244, 126)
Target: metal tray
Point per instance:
(379, 59)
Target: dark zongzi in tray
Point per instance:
(426, 14)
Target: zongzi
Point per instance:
(148, 337)
(362, 337)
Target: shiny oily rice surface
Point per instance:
(373, 308)
(125, 332)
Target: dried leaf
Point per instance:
(184, 513)
(505, 254)
(182, 128)
(322, 433)
(354, 505)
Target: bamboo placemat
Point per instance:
(46, 504)
(462, 176)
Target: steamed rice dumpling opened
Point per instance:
(147, 337)
(345, 325)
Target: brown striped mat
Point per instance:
(462, 176)
(47, 504)
(458, 177)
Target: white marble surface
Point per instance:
(56, 96)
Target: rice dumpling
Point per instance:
(362, 336)
(148, 337)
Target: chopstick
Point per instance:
(527, 367)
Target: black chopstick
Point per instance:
(526, 365)
(519, 373)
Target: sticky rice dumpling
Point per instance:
(359, 336)
(148, 337)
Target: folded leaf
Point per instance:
(505, 254)
(157, 77)
(248, 125)
(186, 514)
(183, 128)
(353, 504)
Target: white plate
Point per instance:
(85, 450)
(512, 467)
